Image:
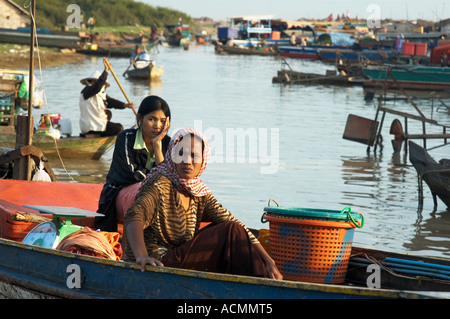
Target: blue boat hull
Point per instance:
(332, 55)
(53, 273)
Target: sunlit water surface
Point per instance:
(291, 147)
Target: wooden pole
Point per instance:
(31, 73)
(118, 83)
(22, 170)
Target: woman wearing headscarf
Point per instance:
(162, 226)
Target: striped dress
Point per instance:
(166, 223)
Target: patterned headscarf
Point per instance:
(193, 186)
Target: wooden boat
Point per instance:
(108, 50)
(332, 55)
(330, 78)
(224, 49)
(297, 52)
(408, 77)
(66, 147)
(22, 275)
(149, 72)
(92, 147)
(310, 51)
(113, 49)
(47, 38)
(177, 35)
(435, 174)
(31, 271)
(439, 55)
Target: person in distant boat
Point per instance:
(230, 43)
(94, 116)
(140, 58)
(139, 38)
(136, 152)
(162, 226)
(304, 42)
(444, 59)
(94, 38)
(293, 40)
(135, 55)
(153, 33)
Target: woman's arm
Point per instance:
(269, 262)
(135, 238)
(140, 216)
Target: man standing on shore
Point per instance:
(91, 23)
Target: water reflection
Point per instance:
(432, 234)
(82, 170)
(361, 175)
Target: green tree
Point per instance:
(52, 14)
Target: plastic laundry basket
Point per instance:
(312, 245)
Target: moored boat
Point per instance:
(330, 78)
(408, 77)
(331, 55)
(109, 50)
(299, 52)
(225, 49)
(435, 174)
(13, 94)
(177, 35)
(47, 38)
(66, 147)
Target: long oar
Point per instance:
(118, 83)
(132, 62)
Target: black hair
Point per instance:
(192, 135)
(153, 103)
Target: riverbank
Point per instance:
(15, 56)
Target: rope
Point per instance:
(26, 5)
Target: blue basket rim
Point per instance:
(316, 213)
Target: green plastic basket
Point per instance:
(344, 215)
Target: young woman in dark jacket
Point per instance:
(136, 152)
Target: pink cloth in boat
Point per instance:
(124, 200)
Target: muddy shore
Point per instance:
(20, 58)
(15, 56)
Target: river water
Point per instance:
(274, 141)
